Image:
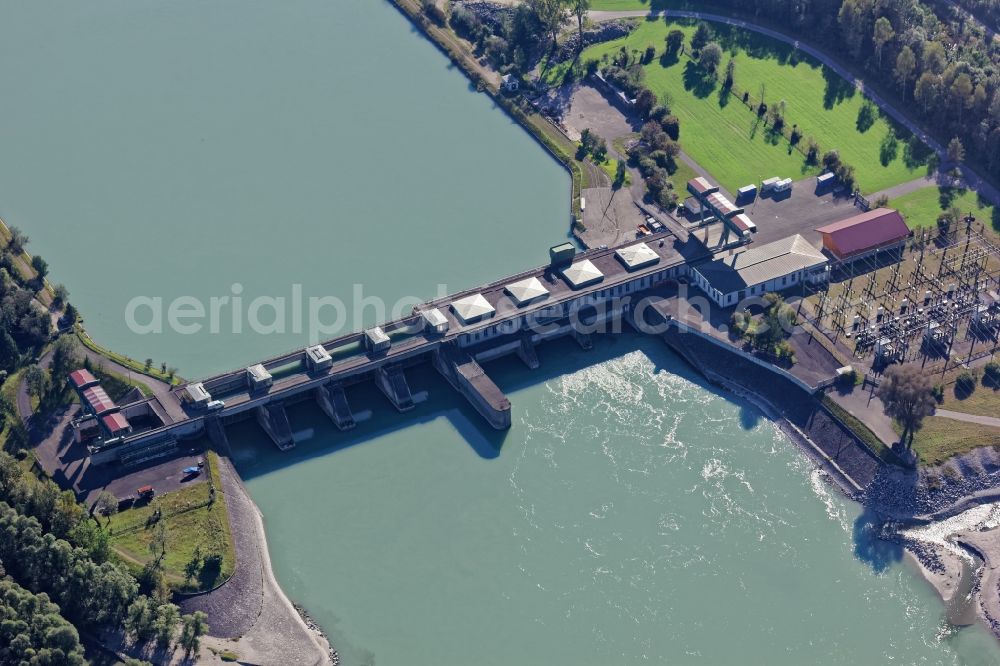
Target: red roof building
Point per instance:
(82, 378)
(97, 400)
(116, 424)
(864, 234)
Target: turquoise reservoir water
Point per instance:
(172, 149)
(631, 514)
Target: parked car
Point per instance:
(145, 493)
(192, 471)
(214, 405)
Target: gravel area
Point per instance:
(251, 605)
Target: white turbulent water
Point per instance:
(632, 516)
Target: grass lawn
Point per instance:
(719, 132)
(191, 523)
(922, 207)
(942, 438)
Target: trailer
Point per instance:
(783, 185)
(768, 185)
(747, 192)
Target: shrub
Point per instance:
(848, 379)
(991, 375)
(965, 384)
(938, 393)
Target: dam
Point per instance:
(573, 295)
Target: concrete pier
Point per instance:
(583, 339)
(333, 401)
(526, 352)
(468, 378)
(392, 382)
(273, 419)
(217, 434)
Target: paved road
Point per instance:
(971, 178)
(969, 418)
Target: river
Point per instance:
(631, 514)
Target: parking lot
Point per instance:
(68, 464)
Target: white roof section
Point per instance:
(434, 317)
(526, 291)
(472, 308)
(761, 264)
(582, 273)
(197, 393)
(637, 256)
(259, 372)
(376, 335)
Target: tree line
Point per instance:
(53, 549)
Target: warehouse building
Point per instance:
(879, 230)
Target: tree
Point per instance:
(961, 92)
(702, 34)
(40, 265)
(106, 504)
(956, 151)
(711, 56)
(167, 617)
(193, 565)
(140, 619)
(933, 57)
(193, 628)
(883, 33)
(906, 63)
(672, 126)
(620, 174)
(37, 381)
(159, 543)
(70, 315)
(59, 294)
(645, 101)
(65, 357)
(675, 40)
(551, 14)
(855, 17)
(730, 71)
(18, 240)
(580, 9)
(927, 90)
(906, 397)
(147, 365)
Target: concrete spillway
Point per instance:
(273, 419)
(333, 401)
(392, 382)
